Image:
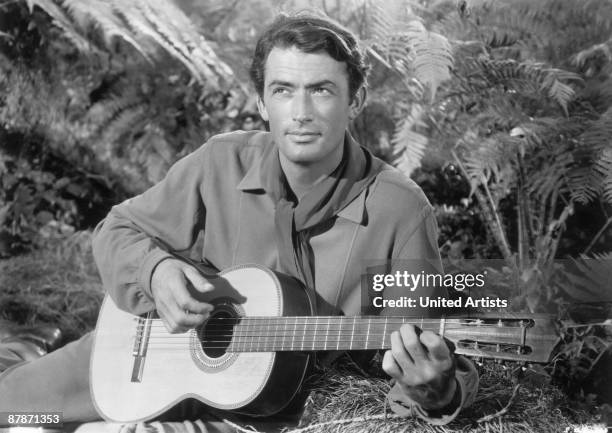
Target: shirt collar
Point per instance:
(355, 211)
(252, 179)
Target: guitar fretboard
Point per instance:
(263, 334)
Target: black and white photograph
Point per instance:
(305, 216)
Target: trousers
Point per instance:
(56, 382)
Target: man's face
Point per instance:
(306, 101)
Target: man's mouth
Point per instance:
(303, 136)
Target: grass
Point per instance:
(59, 285)
(342, 393)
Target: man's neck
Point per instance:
(302, 177)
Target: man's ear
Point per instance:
(261, 107)
(358, 102)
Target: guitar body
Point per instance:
(172, 367)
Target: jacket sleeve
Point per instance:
(172, 210)
(418, 251)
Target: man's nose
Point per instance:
(302, 108)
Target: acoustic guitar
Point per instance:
(251, 354)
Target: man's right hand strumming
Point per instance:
(170, 285)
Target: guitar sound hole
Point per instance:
(216, 333)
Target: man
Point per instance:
(303, 199)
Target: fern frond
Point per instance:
(127, 121)
(409, 145)
(588, 280)
(139, 23)
(433, 59)
(583, 184)
(598, 134)
(168, 26)
(402, 42)
(63, 21)
(562, 93)
(489, 159)
(380, 22)
(593, 169)
(604, 167)
(524, 77)
(101, 15)
(103, 113)
(499, 39)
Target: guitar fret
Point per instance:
(303, 335)
(245, 337)
(368, 333)
(327, 332)
(283, 335)
(384, 335)
(293, 334)
(314, 333)
(259, 332)
(272, 337)
(275, 336)
(352, 333)
(339, 332)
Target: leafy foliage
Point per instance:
(418, 59)
(95, 107)
(525, 121)
(143, 25)
(42, 199)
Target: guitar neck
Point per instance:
(306, 333)
(505, 338)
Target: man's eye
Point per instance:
(279, 91)
(321, 91)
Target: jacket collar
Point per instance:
(355, 211)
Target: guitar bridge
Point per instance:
(141, 342)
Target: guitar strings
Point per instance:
(342, 327)
(249, 330)
(374, 338)
(276, 321)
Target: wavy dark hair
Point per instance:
(310, 33)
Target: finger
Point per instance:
(412, 343)
(435, 345)
(450, 345)
(170, 324)
(399, 353)
(391, 367)
(177, 302)
(184, 318)
(189, 320)
(186, 302)
(200, 283)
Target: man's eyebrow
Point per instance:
(280, 83)
(321, 83)
(316, 84)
